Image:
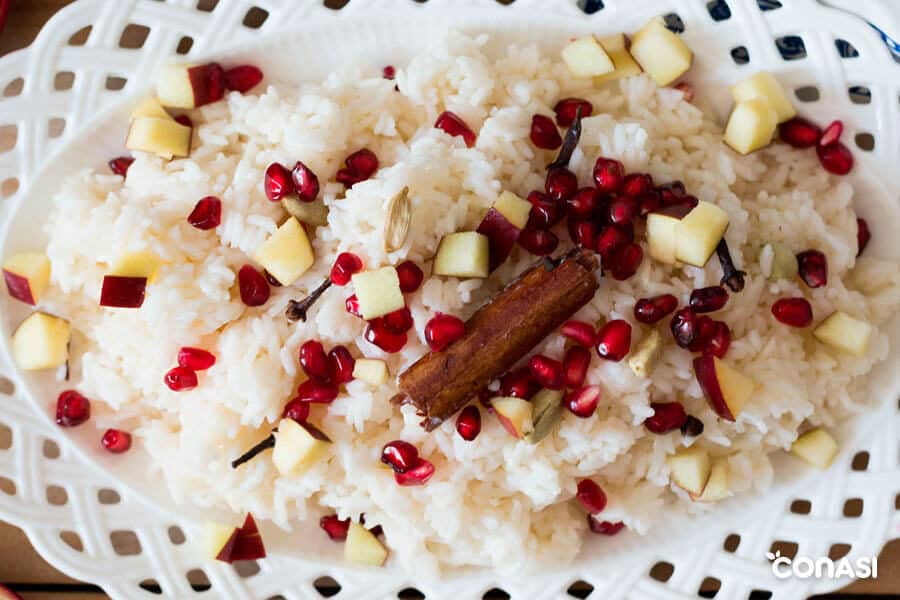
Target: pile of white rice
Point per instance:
(496, 501)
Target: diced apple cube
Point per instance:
(725, 388)
(751, 125)
(363, 548)
(27, 276)
(844, 332)
(784, 262)
(150, 107)
(514, 414)
(190, 86)
(245, 543)
(585, 57)
(690, 469)
(816, 447)
(463, 254)
(371, 370)
(616, 47)
(213, 538)
(378, 292)
(163, 137)
(699, 232)
(717, 485)
(662, 232)
(764, 85)
(137, 264)
(287, 254)
(515, 209)
(662, 54)
(298, 446)
(41, 342)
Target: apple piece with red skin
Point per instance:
(514, 414)
(501, 235)
(27, 276)
(5, 592)
(119, 291)
(245, 543)
(190, 86)
(662, 231)
(726, 389)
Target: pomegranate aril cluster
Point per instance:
(346, 265)
(325, 371)
(409, 468)
(190, 360)
(833, 154)
(359, 166)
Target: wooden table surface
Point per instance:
(22, 568)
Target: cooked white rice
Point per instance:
(495, 502)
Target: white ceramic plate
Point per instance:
(391, 31)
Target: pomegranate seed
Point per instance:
(519, 384)
(120, 164)
(832, 133)
(579, 332)
(584, 202)
(195, 359)
(399, 321)
(705, 328)
(583, 401)
(836, 158)
(813, 267)
(399, 455)
(561, 184)
(575, 366)
(452, 125)
(613, 237)
(625, 261)
(418, 474)
(545, 211)
(351, 305)
(686, 89)
(277, 182)
(317, 392)
(605, 527)
(719, 340)
(242, 78)
(544, 133)
(667, 416)
(636, 184)
(709, 299)
(692, 427)
(546, 371)
(207, 214)
(180, 379)
(591, 496)
(614, 340)
(271, 279)
(442, 330)
(863, 235)
(468, 423)
(651, 310)
(622, 209)
(72, 409)
(389, 72)
(410, 276)
(342, 363)
(184, 120)
(799, 133)
(380, 335)
(360, 165)
(305, 182)
(586, 234)
(345, 266)
(314, 361)
(116, 441)
(796, 312)
(649, 202)
(684, 327)
(296, 409)
(538, 241)
(609, 175)
(335, 528)
(254, 287)
(567, 109)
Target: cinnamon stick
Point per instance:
(500, 334)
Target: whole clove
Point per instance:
(297, 309)
(250, 454)
(731, 275)
(570, 142)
